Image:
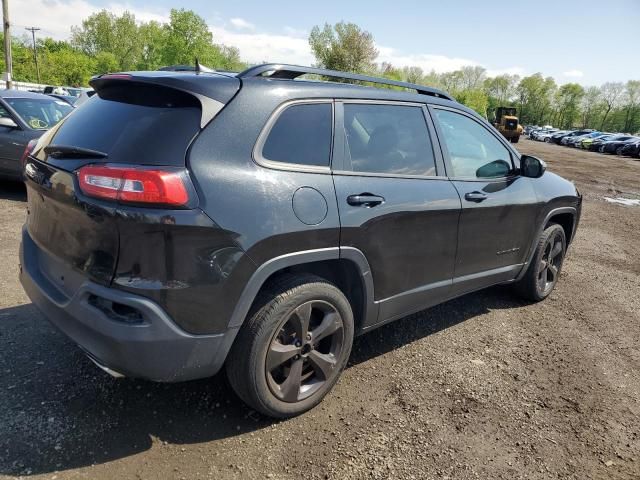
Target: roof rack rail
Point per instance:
(291, 72)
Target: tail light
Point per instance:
(135, 185)
(27, 151)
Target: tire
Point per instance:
(515, 139)
(601, 149)
(547, 140)
(273, 370)
(542, 274)
(619, 151)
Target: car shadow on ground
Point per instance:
(13, 191)
(58, 411)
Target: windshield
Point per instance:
(40, 113)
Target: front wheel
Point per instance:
(544, 270)
(293, 347)
(515, 139)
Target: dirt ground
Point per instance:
(481, 387)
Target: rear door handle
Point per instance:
(365, 200)
(475, 196)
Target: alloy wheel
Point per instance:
(550, 263)
(305, 351)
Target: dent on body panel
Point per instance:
(185, 262)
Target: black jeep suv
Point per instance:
(182, 221)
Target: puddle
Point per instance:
(624, 201)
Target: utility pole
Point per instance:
(33, 31)
(7, 43)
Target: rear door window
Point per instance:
(134, 124)
(301, 135)
(385, 138)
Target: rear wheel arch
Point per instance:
(347, 269)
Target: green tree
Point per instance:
(474, 98)
(343, 46)
(631, 101)
(106, 32)
(106, 62)
(568, 99)
(611, 93)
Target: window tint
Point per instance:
(473, 150)
(302, 135)
(134, 124)
(388, 139)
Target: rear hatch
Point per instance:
(144, 120)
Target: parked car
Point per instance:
(24, 116)
(66, 91)
(597, 142)
(631, 149)
(65, 98)
(178, 222)
(615, 145)
(576, 133)
(588, 140)
(546, 137)
(558, 138)
(576, 139)
(535, 135)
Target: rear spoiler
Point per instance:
(212, 90)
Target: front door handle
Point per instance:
(475, 197)
(365, 200)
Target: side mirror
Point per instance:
(8, 122)
(532, 167)
(495, 169)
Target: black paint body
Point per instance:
(201, 267)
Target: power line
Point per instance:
(33, 31)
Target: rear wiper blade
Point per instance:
(69, 151)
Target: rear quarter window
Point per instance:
(301, 135)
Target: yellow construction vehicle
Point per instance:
(507, 123)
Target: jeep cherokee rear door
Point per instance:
(395, 203)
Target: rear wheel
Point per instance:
(543, 272)
(515, 139)
(292, 349)
(619, 151)
(547, 140)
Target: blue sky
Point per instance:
(585, 41)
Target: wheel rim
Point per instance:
(304, 353)
(550, 264)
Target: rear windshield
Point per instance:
(134, 124)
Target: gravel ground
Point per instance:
(481, 387)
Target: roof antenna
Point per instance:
(202, 68)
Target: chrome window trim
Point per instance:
(512, 153)
(266, 130)
(433, 140)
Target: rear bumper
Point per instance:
(155, 349)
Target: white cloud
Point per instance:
(428, 62)
(242, 24)
(520, 71)
(55, 18)
(295, 32)
(265, 47)
(573, 73)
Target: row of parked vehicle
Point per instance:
(622, 144)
